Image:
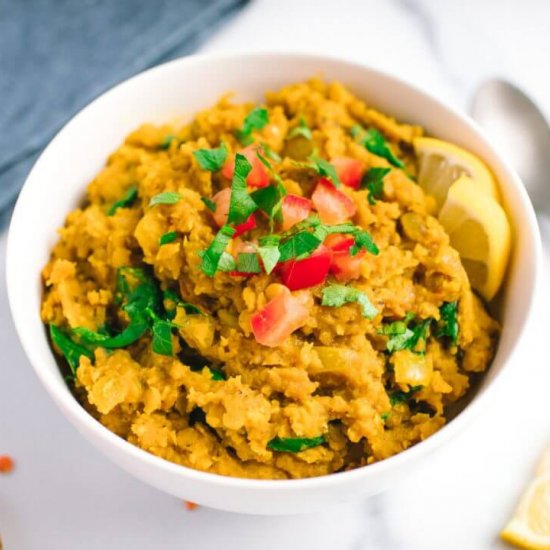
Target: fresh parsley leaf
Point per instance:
(270, 153)
(301, 129)
(168, 197)
(167, 141)
(363, 240)
(375, 143)
(254, 120)
(325, 168)
(172, 296)
(217, 375)
(385, 415)
(399, 396)
(247, 262)
(227, 263)
(268, 250)
(211, 159)
(127, 200)
(294, 444)
(448, 325)
(241, 204)
(373, 181)
(338, 295)
(212, 255)
(169, 237)
(209, 203)
(404, 335)
(299, 246)
(268, 200)
(70, 349)
(162, 337)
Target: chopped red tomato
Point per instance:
(344, 266)
(349, 171)
(280, 317)
(333, 205)
(295, 209)
(221, 200)
(258, 176)
(312, 271)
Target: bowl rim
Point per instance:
(79, 416)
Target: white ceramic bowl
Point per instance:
(56, 185)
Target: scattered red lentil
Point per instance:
(6, 464)
(190, 505)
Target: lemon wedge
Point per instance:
(530, 526)
(442, 163)
(480, 232)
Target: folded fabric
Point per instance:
(56, 55)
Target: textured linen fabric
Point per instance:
(57, 55)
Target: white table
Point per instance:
(63, 494)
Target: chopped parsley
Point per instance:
(405, 334)
(162, 337)
(127, 200)
(269, 253)
(241, 204)
(167, 141)
(299, 246)
(247, 262)
(363, 241)
(399, 396)
(338, 295)
(373, 181)
(168, 197)
(325, 168)
(171, 296)
(375, 143)
(385, 415)
(70, 349)
(209, 203)
(294, 444)
(169, 237)
(211, 159)
(212, 256)
(301, 129)
(269, 199)
(254, 120)
(448, 325)
(270, 153)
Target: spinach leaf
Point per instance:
(448, 325)
(169, 237)
(373, 181)
(70, 349)
(399, 396)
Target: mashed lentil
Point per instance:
(342, 386)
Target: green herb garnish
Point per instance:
(162, 337)
(247, 262)
(212, 256)
(129, 197)
(241, 204)
(373, 181)
(299, 246)
(217, 375)
(168, 197)
(325, 168)
(172, 296)
(254, 120)
(374, 142)
(211, 159)
(448, 325)
(166, 142)
(294, 444)
(301, 129)
(209, 203)
(169, 237)
(270, 153)
(268, 200)
(385, 415)
(363, 241)
(338, 295)
(399, 396)
(269, 252)
(70, 349)
(405, 334)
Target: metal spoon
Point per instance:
(520, 132)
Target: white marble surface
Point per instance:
(65, 495)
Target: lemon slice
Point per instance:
(480, 232)
(530, 526)
(442, 163)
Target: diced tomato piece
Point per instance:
(344, 266)
(222, 199)
(349, 171)
(280, 317)
(295, 209)
(258, 176)
(312, 271)
(333, 205)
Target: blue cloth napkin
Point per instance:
(56, 55)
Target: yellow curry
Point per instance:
(266, 292)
